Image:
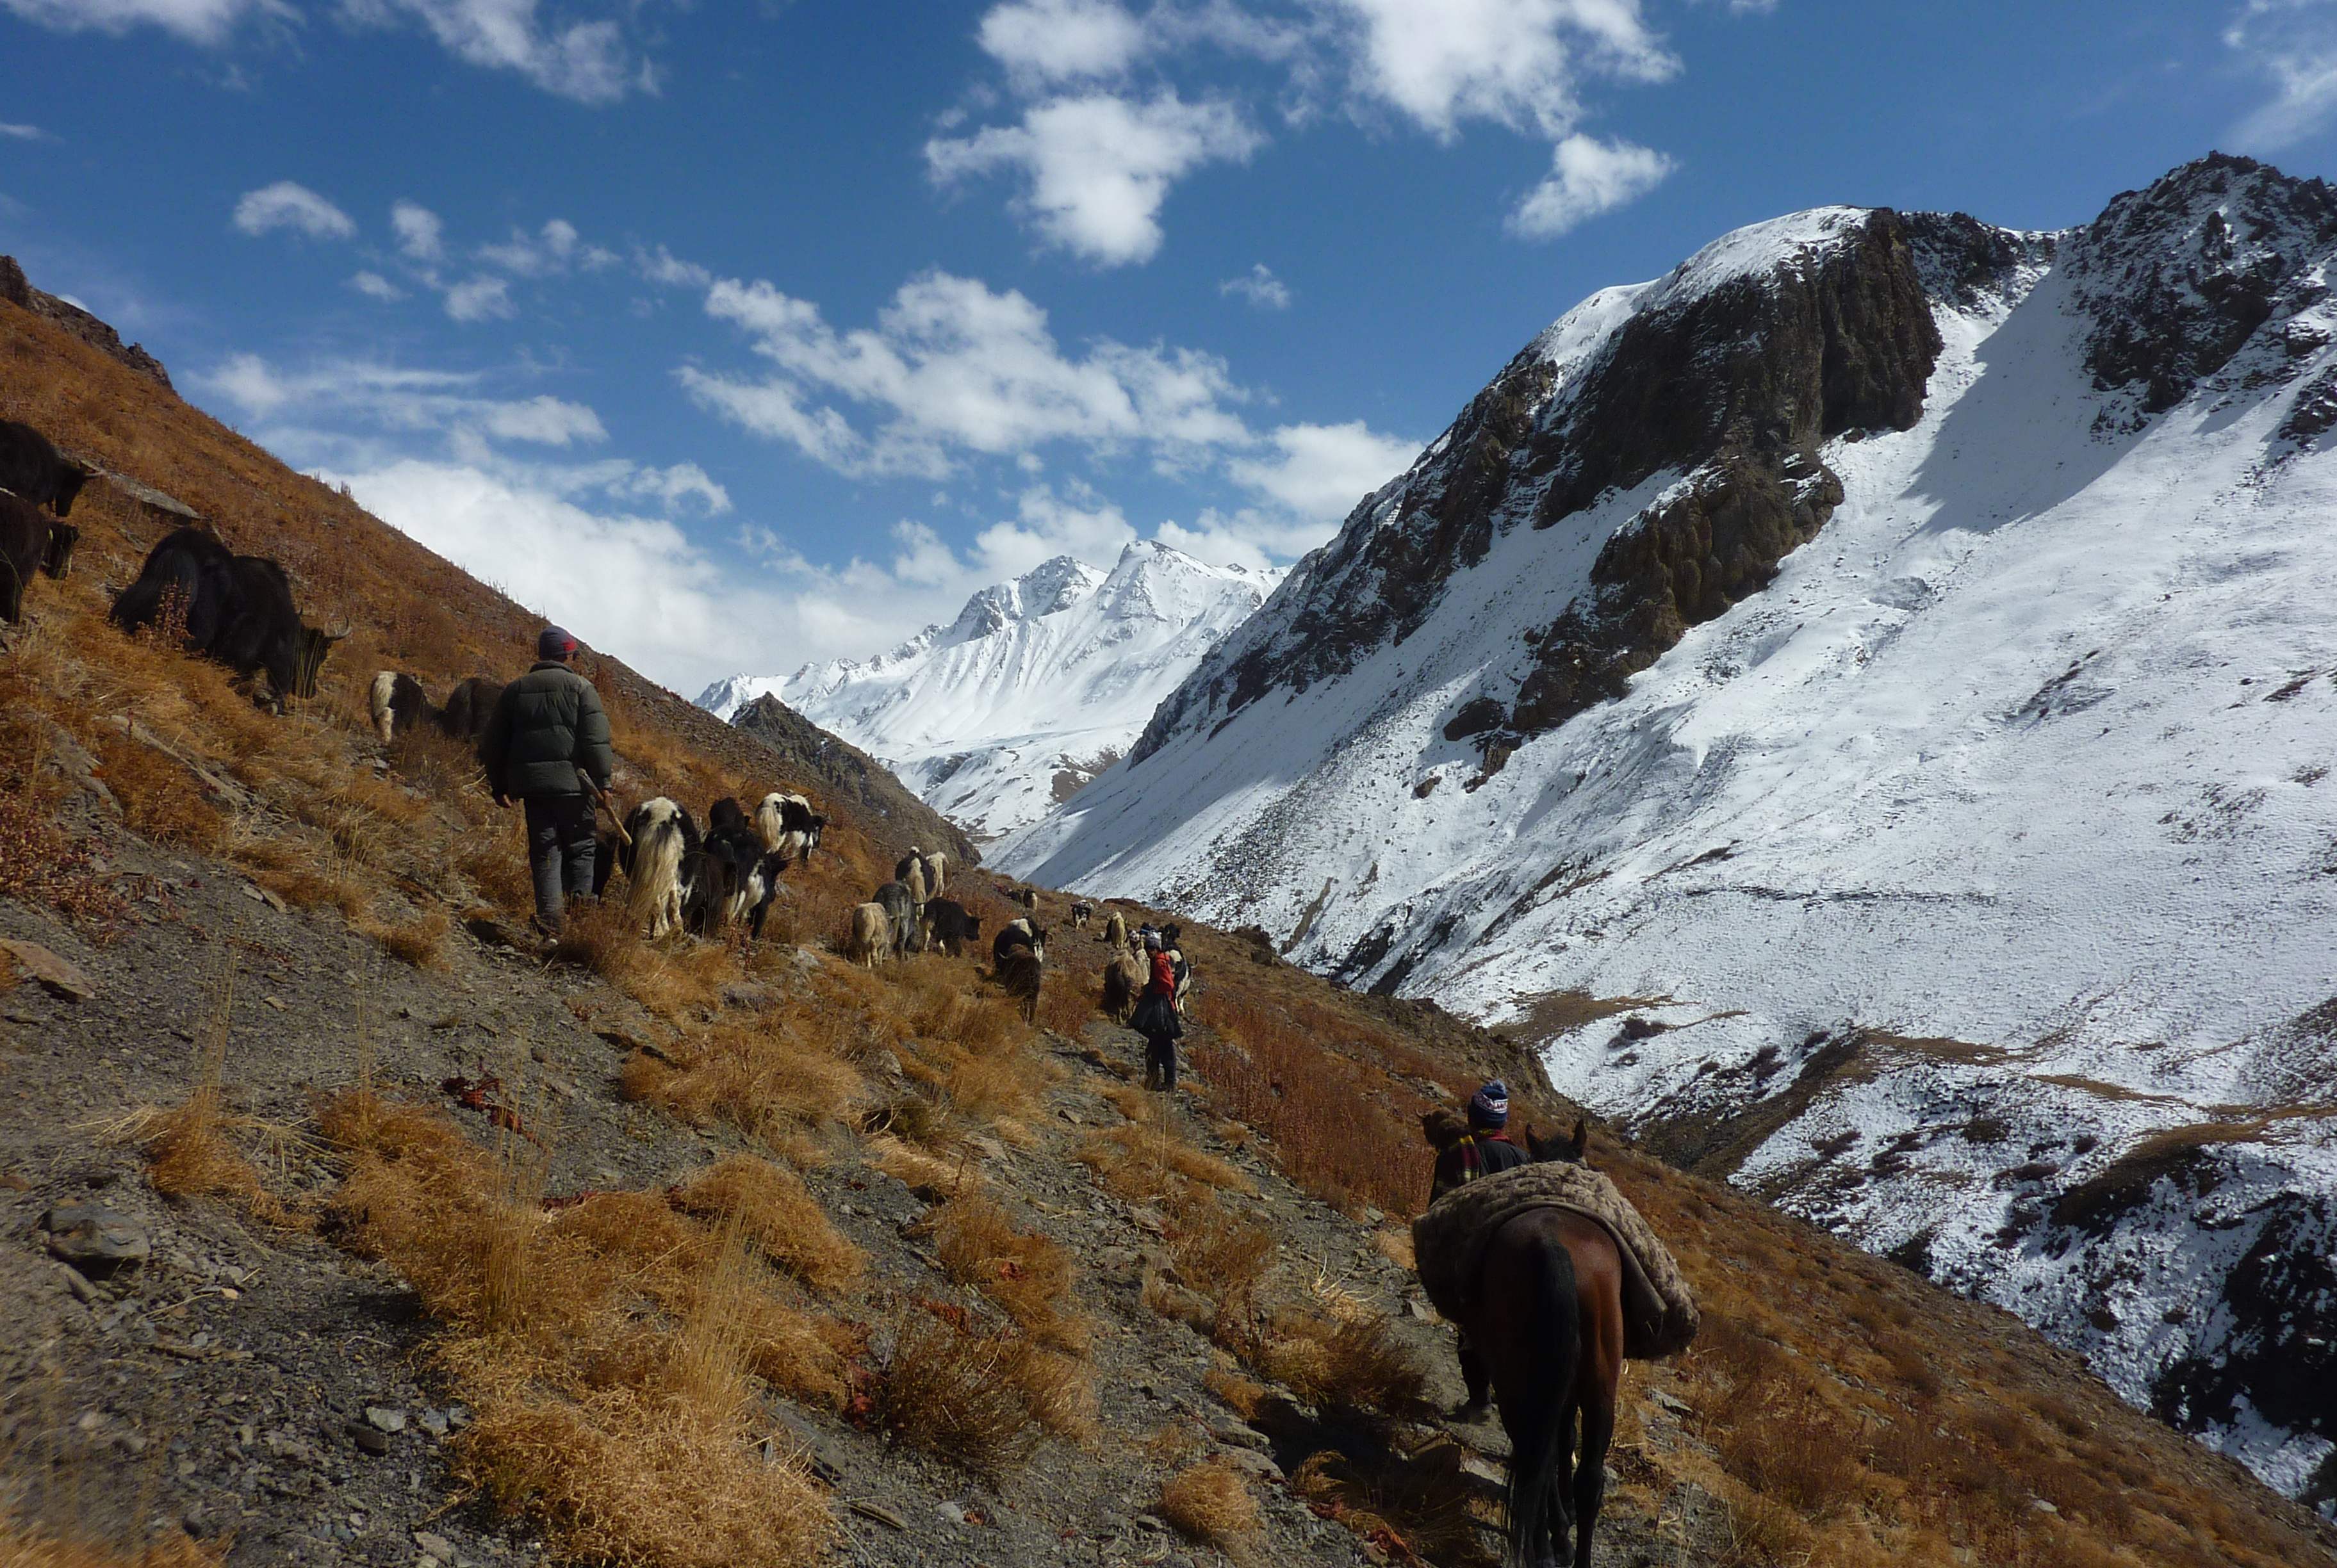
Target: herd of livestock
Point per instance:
(239, 610)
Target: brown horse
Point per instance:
(1548, 1325)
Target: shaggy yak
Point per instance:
(788, 826)
(949, 927)
(1115, 930)
(871, 937)
(30, 540)
(470, 705)
(747, 875)
(936, 874)
(663, 839)
(1122, 982)
(35, 471)
(1081, 913)
(398, 704)
(1018, 965)
(239, 610)
(901, 911)
(1018, 933)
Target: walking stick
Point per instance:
(601, 798)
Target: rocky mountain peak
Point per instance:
(2177, 276)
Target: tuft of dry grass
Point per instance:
(420, 941)
(1243, 1395)
(613, 1349)
(1356, 1367)
(949, 1388)
(776, 1212)
(770, 1080)
(1140, 1162)
(1029, 1275)
(1210, 1502)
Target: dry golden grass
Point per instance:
(23, 1545)
(921, 1170)
(611, 1349)
(420, 941)
(1354, 1367)
(978, 1396)
(1216, 1254)
(1243, 1395)
(771, 1078)
(1029, 1275)
(775, 1211)
(1211, 1503)
(1136, 1161)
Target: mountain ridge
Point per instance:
(1038, 685)
(1914, 790)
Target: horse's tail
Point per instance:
(1545, 1436)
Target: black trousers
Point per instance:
(559, 852)
(1159, 1062)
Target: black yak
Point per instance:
(29, 543)
(239, 610)
(398, 704)
(34, 472)
(787, 825)
(949, 927)
(470, 705)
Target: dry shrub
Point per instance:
(948, 1388)
(496, 864)
(921, 1171)
(775, 1211)
(1140, 1162)
(1357, 1367)
(1411, 1509)
(39, 865)
(1796, 1456)
(596, 935)
(1210, 1503)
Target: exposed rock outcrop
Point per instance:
(18, 291)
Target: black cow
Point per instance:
(239, 610)
(949, 927)
(470, 705)
(29, 543)
(33, 470)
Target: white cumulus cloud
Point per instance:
(953, 367)
(1260, 287)
(421, 234)
(1517, 62)
(373, 285)
(1587, 177)
(480, 298)
(1095, 168)
(1047, 41)
(1317, 472)
(199, 21)
(589, 62)
(289, 205)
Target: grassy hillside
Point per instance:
(705, 1253)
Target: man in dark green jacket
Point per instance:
(548, 732)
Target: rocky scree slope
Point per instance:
(1891, 651)
(1038, 686)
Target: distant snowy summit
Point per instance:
(1037, 687)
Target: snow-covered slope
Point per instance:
(1922, 739)
(1039, 686)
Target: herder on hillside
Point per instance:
(1156, 1017)
(1484, 1150)
(547, 736)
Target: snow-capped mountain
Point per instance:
(1038, 686)
(1866, 702)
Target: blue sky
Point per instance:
(745, 332)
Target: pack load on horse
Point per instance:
(1552, 1278)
